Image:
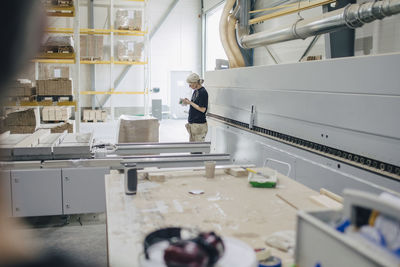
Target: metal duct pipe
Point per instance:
(238, 57)
(352, 16)
(223, 32)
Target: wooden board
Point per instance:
(229, 206)
(326, 202)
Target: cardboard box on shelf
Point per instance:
(54, 87)
(91, 47)
(137, 53)
(20, 87)
(129, 50)
(47, 72)
(129, 20)
(137, 20)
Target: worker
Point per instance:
(23, 23)
(197, 124)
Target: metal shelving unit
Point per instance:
(76, 62)
(66, 12)
(114, 34)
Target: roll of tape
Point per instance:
(271, 262)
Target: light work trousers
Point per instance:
(197, 131)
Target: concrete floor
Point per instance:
(84, 236)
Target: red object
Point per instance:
(185, 254)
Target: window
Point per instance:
(213, 46)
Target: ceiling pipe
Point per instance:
(352, 16)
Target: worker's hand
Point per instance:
(186, 101)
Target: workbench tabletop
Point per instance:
(228, 206)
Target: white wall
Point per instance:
(378, 37)
(176, 45)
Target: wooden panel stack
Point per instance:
(91, 115)
(56, 114)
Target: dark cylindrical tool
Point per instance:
(130, 180)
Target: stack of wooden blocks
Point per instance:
(90, 115)
(56, 114)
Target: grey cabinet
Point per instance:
(84, 190)
(36, 192)
(5, 192)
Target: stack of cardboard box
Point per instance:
(91, 47)
(130, 50)
(94, 115)
(21, 122)
(129, 20)
(54, 87)
(47, 72)
(21, 87)
(58, 46)
(56, 113)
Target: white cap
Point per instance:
(194, 78)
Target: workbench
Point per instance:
(229, 206)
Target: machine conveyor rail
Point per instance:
(119, 163)
(148, 148)
(382, 168)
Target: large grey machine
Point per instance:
(331, 123)
(62, 174)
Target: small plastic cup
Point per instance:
(210, 168)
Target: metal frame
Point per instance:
(149, 37)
